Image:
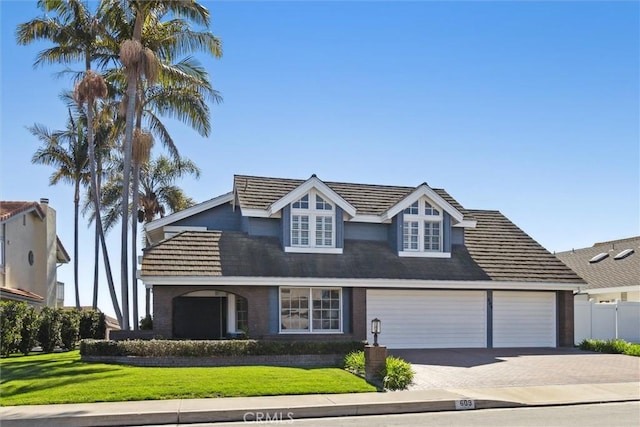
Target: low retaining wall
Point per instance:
(297, 361)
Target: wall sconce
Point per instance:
(376, 328)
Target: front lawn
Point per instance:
(63, 378)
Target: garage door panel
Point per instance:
(524, 319)
(429, 319)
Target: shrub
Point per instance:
(92, 325)
(11, 317)
(397, 374)
(146, 323)
(69, 328)
(354, 362)
(49, 331)
(616, 346)
(29, 330)
(196, 348)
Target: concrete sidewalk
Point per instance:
(311, 406)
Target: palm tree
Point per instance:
(157, 192)
(67, 151)
(141, 61)
(77, 36)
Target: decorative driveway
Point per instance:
(461, 368)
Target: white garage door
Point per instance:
(428, 319)
(524, 319)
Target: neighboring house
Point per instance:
(296, 260)
(611, 269)
(30, 252)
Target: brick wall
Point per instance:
(565, 304)
(258, 312)
(359, 314)
(257, 302)
(305, 360)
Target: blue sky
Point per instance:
(530, 108)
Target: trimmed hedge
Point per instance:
(610, 346)
(22, 327)
(196, 348)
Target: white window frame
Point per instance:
(313, 214)
(310, 308)
(423, 205)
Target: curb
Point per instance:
(272, 413)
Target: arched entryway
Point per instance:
(207, 315)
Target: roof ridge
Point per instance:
(338, 182)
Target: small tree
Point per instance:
(146, 323)
(49, 331)
(29, 330)
(92, 325)
(69, 328)
(11, 317)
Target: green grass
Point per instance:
(63, 378)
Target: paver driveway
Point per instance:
(459, 368)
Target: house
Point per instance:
(611, 269)
(30, 252)
(307, 259)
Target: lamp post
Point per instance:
(376, 328)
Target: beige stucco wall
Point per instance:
(22, 234)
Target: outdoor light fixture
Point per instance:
(376, 328)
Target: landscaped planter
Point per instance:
(217, 353)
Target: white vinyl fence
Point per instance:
(605, 321)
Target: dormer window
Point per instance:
(313, 222)
(422, 230)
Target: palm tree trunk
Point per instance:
(134, 246)
(96, 267)
(98, 218)
(96, 258)
(76, 208)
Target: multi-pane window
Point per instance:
(303, 203)
(322, 204)
(422, 228)
(300, 230)
(242, 314)
(310, 310)
(430, 210)
(412, 210)
(410, 235)
(326, 309)
(312, 210)
(324, 231)
(432, 236)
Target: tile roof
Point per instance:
(496, 250)
(215, 253)
(609, 272)
(505, 252)
(256, 192)
(22, 294)
(10, 209)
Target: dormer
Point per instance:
(313, 218)
(422, 224)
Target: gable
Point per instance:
(256, 195)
